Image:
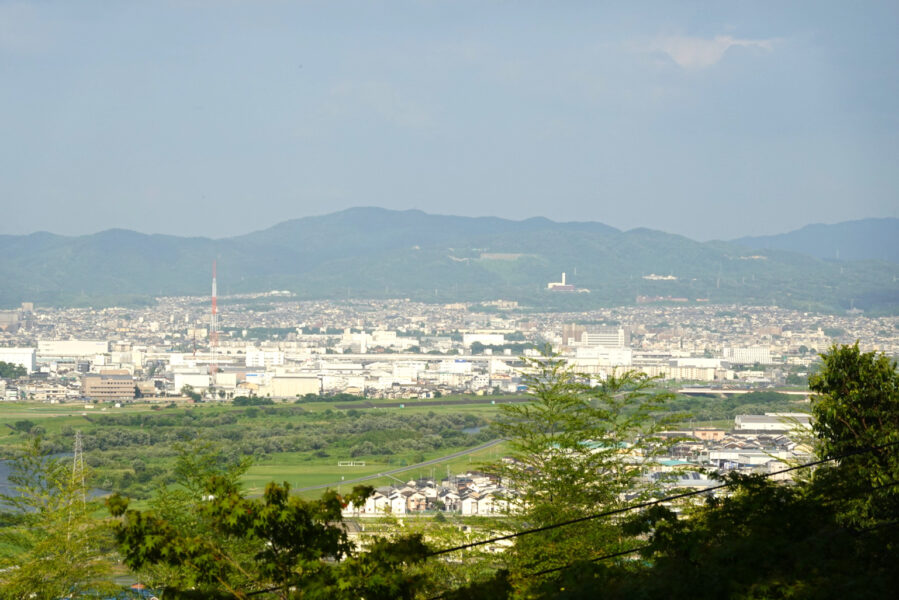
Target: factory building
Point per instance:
(777, 422)
(292, 386)
(71, 348)
(560, 286)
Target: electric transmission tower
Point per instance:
(78, 467)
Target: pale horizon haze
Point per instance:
(713, 120)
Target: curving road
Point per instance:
(426, 463)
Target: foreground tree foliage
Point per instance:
(856, 408)
(181, 505)
(50, 544)
(576, 450)
(767, 540)
(275, 546)
(832, 535)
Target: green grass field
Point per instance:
(440, 470)
(299, 468)
(299, 471)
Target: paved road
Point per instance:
(426, 463)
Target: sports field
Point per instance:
(300, 473)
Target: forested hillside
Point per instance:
(369, 252)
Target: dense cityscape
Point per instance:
(440, 382)
(270, 346)
(273, 347)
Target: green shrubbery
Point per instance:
(115, 441)
(252, 401)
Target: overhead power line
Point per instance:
(594, 559)
(879, 526)
(639, 506)
(859, 532)
(650, 503)
(648, 546)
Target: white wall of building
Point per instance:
(24, 357)
(458, 366)
(291, 386)
(614, 338)
(264, 358)
(198, 381)
(606, 356)
(226, 380)
(748, 356)
(408, 371)
(487, 339)
(684, 373)
(705, 363)
(340, 383)
(71, 348)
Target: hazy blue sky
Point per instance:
(711, 119)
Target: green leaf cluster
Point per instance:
(856, 408)
(223, 544)
(51, 546)
(829, 535)
(11, 371)
(579, 448)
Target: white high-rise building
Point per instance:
(264, 358)
(609, 337)
(748, 356)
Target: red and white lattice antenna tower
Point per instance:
(213, 327)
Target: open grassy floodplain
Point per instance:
(300, 475)
(132, 448)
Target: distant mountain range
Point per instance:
(372, 252)
(867, 239)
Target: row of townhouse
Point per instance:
(469, 494)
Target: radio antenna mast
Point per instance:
(213, 328)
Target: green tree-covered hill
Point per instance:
(371, 252)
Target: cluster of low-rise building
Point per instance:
(469, 494)
(766, 444)
(755, 441)
(273, 346)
